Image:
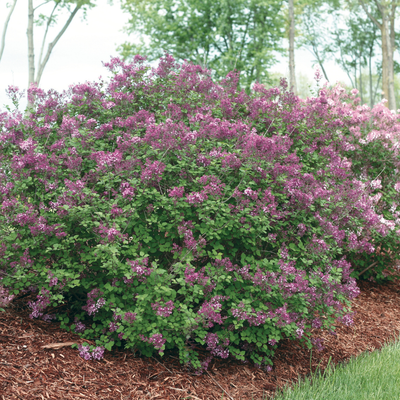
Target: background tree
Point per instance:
(355, 44)
(382, 14)
(72, 6)
(222, 35)
(315, 33)
(3, 36)
(292, 72)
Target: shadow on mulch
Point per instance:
(29, 371)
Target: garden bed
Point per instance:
(29, 371)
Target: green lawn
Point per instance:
(370, 376)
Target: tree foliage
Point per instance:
(354, 44)
(221, 35)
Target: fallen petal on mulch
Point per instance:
(37, 362)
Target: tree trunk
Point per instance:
(31, 49)
(53, 43)
(355, 76)
(292, 74)
(376, 88)
(387, 65)
(320, 61)
(388, 40)
(371, 99)
(391, 51)
(361, 86)
(385, 75)
(3, 38)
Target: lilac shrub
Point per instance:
(171, 211)
(371, 140)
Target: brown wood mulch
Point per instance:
(30, 371)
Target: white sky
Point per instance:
(78, 55)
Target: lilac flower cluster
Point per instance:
(130, 317)
(163, 310)
(110, 233)
(347, 319)
(43, 300)
(210, 311)
(156, 340)
(255, 318)
(127, 190)
(92, 306)
(96, 354)
(185, 229)
(79, 326)
(176, 192)
(212, 186)
(192, 277)
(318, 343)
(140, 268)
(153, 171)
(53, 279)
(204, 365)
(212, 341)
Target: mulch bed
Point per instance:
(29, 371)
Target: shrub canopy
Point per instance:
(174, 212)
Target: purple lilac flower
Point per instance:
(113, 327)
(196, 197)
(210, 310)
(38, 306)
(152, 171)
(96, 354)
(79, 326)
(301, 229)
(176, 192)
(347, 319)
(53, 279)
(316, 323)
(48, 317)
(163, 311)
(299, 332)
(91, 306)
(139, 267)
(117, 317)
(191, 276)
(84, 352)
(317, 342)
(212, 341)
(127, 190)
(130, 317)
(156, 340)
(251, 193)
(204, 365)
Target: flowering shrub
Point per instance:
(372, 143)
(171, 211)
